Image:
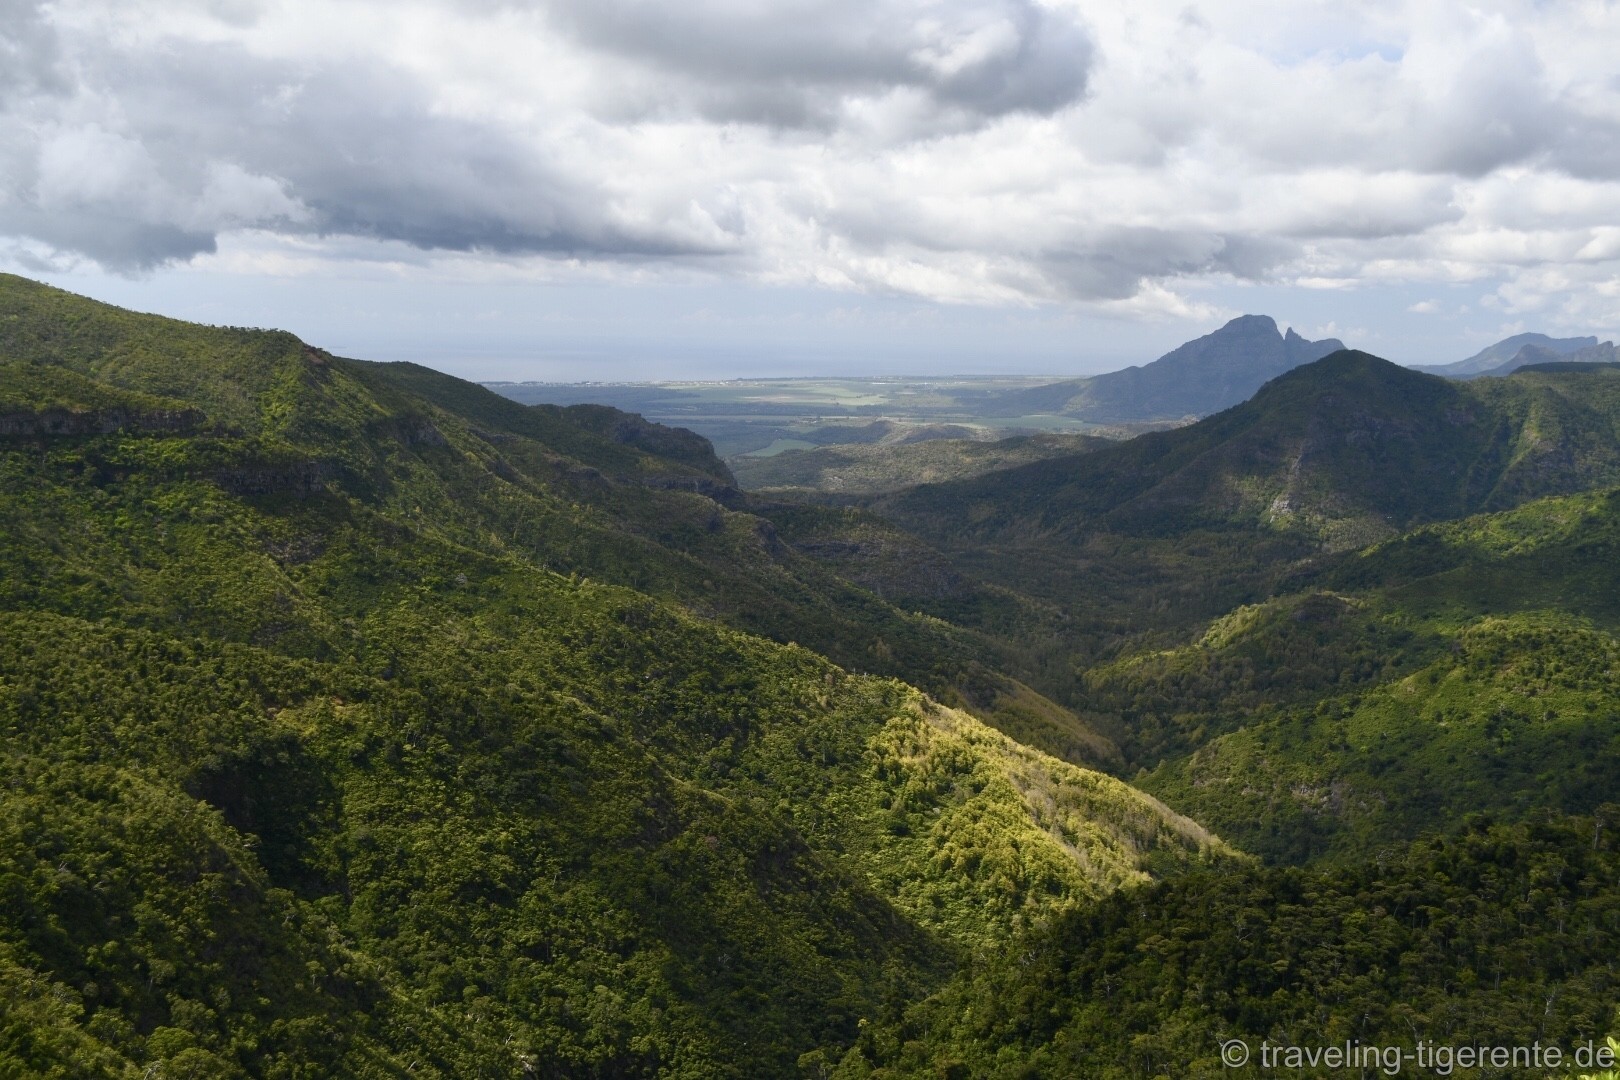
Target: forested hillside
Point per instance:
(582, 490)
(1466, 666)
(357, 721)
(324, 757)
(1342, 452)
(1497, 936)
(1429, 728)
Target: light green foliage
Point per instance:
(1498, 936)
(1608, 1074)
(983, 836)
(1472, 668)
(1521, 716)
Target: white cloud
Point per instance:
(988, 151)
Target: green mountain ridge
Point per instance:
(1344, 450)
(1141, 543)
(361, 722)
(1332, 673)
(333, 749)
(582, 489)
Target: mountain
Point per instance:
(1311, 619)
(355, 721)
(582, 489)
(1141, 546)
(1541, 354)
(1343, 451)
(1498, 355)
(1201, 377)
(337, 743)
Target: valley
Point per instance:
(363, 721)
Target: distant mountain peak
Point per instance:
(1535, 355)
(1247, 322)
(1204, 375)
(1200, 377)
(1493, 358)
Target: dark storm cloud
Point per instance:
(1114, 263)
(795, 63)
(112, 239)
(364, 152)
(158, 149)
(353, 150)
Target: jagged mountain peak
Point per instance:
(1202, 376)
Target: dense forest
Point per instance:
(358, 721)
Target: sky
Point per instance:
(639, 189)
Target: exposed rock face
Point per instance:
(66, 422)
(632, 429)
(725, 494)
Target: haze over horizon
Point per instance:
(563, 191)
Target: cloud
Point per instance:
(802, 63)
(986, 151)
(30, 54)
(166, 149)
